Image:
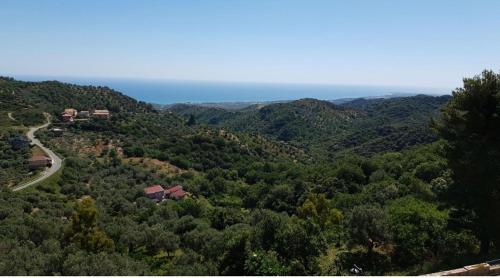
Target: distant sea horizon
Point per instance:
(166, 92)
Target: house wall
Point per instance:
(157, 195)
(38, 164)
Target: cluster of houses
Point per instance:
(70, 114)
(158, 194)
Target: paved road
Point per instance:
(56, 161)
(10, 116)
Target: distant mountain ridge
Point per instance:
(362, 125)
(319, 127)
(245, 104)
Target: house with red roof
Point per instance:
(175, 192)
(155, 192)
(69, 114)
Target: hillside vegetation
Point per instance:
(299, 188)
(363, 126)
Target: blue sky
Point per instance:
(398, 43)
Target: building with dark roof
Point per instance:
(38, 162)
(155, 192)
(84, 114)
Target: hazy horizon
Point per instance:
(196, 91)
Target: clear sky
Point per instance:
(373, 42)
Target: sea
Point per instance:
(176, 91)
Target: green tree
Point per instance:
(91, 264)
(84, 230)
(318, 208)
(191, 121)
(300, 242)
(350, 177)
(471, 126)
(367, 225)
(418, 228)
(166, 241)
(233, 254)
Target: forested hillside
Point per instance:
(281, 190)
(363, 126)
(54, 96)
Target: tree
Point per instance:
(191, 121)
(418, 229)
(91, 264)
(232, 260)
(368, 224)
(189, 263)
(266, 224)
(280, 198)
(300, 242)
(318, 208)
(471, 127)
(350, 177)
(166, 241)
(84, 230)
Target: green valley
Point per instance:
(305, 187)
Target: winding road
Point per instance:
(56, 161)
(10, 116)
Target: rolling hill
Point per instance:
(365, 126)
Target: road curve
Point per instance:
(10, 116)
(56, 161)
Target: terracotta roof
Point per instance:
(176, 192)
(153, 189)
(39, 158)
(173, 189)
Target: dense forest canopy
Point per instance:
(365, 126)
(299, 188)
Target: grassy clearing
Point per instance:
(155, 165)
(37, 151)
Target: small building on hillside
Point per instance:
(175, 192)
(57, 131)
(155, 192)
(101, 114)
(38, 162)
(70, 111)
(83, 114)
(19, 142)
(67, 118)
(68, 115)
